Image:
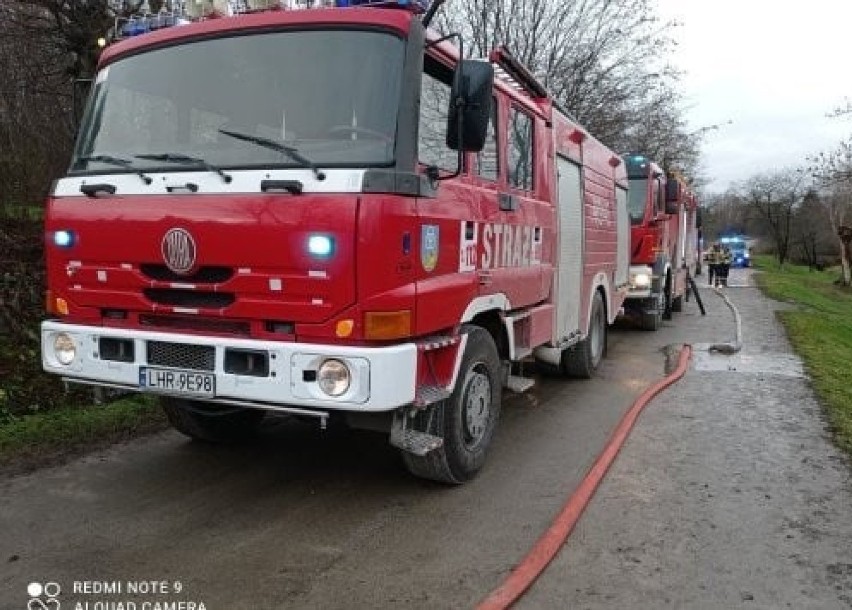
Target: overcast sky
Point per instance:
(772, 67)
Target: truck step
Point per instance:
(429, 394)
(417, 443)
(412, 441)
(519, 385)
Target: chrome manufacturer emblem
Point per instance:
(179, 251)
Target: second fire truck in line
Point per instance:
(665, 241)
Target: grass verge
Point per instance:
(820, 329)
(39, 439)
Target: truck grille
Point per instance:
(189, 298)
(204, 275)
(182, 355)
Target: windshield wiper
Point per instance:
(179, 158)
(290, 151)
(117, 161)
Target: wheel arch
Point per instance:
(492, 322)
(487, 312)
(600, 284)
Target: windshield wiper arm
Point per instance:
(179, 158)
(117, 161)
(290, 151)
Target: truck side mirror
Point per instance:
(673, 195)
(79, 94)
(470, 105)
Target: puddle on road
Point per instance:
(787, 365)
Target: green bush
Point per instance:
(24, 387)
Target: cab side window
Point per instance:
(520, 156)
(488, 160)
(660, 194)
(434, 107)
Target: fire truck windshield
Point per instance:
(637, 198)
(333, 96)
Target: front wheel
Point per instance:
(466, 420)
(209, 423)
(583, 359)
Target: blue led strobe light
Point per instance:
(321, 246)
(63, 239)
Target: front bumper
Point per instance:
(382, 378)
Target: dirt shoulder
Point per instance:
(54, 437)
(729, 493)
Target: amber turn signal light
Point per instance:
(344, 328)
(382, 325)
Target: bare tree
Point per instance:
(775, 197)
(603, 60)
(44, 46)
(833, 172)
(813, 236)
(727, 213)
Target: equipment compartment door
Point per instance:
(682, 237)
(622, 268)
(570, 280)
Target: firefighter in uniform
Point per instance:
(714, 260)
(725, 266)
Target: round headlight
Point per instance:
(333, 377)
(641, 280)
(64, 348)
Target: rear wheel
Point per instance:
(653, 321)
(466, 420)
(209, 422)
(583, 359)
(667, 299)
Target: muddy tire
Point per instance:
(583, 359)
(667, 300)
(651, 321)
(467, 419)
(210, 423)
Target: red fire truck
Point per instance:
(664, 238)
(327, 213)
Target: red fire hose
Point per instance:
(551, 541)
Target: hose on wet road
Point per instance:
(548, 545)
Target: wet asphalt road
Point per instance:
(728, 494)
(705, 507)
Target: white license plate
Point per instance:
(177, 382)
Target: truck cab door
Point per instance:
(513, 231)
